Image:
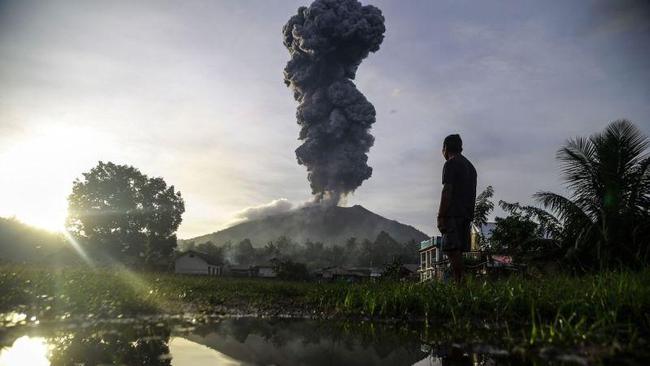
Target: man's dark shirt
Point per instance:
(460, 173)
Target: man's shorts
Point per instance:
(458, 235)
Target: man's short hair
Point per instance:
(453, 144)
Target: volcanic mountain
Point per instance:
(329, 225)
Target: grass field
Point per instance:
(610, 308)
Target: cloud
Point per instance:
(621, 16)
(275, 207)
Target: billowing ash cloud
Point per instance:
(327, 42)
(272, 208)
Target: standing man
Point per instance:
(456, 204)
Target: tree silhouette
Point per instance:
(512, 234)
(483, 206)
(607, 212)
(244, 252)
(121, 214)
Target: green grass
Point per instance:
(610, 307)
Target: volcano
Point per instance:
(327, 224)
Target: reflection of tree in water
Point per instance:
(113, 344)
(382, 338)
(240, 329)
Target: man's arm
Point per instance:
(443, 211)
(448, 178)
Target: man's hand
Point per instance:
(445, 200)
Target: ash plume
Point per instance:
(275, 207)
(327, 42)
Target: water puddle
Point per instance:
(193, 341)
(186, 352)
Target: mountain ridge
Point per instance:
(327, 224)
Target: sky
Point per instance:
(193, 92)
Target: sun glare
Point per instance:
(77, 248)
(39, 168)
(32, 351)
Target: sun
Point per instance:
(38, 169)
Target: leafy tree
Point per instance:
(212, 250)
(121, 213)
(384, 250)
(284, 244)
(351, 245)
(607, 211)
(410, 252)
(483, 206)
(548, 226)
(365, 251)
(482, 209)
(393, 271)
(244, 252)
(271, 250)
(188, 245)
(317, 255)
(512, 233)
(527, 233)
(227, 252)
(336, 255)
(290, 270)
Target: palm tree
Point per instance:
(606, 216)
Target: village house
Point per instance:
(239, 270)
(265, 271)
(337, 273)
(245, 270)
(433, 261)
(197, 263)
(430, 256)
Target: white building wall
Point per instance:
(266, 272)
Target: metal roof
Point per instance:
(206, 257)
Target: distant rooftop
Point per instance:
(206, 257)
(430, 242)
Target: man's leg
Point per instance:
(456, 261)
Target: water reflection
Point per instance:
(188, 353)
(304, 342)
(239, 341)
(87, 344)
(117, 344)
(32, 351)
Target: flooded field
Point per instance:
(184, 340)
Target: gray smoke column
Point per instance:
(327, 42)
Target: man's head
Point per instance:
(452, 146)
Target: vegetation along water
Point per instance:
(607, 310)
